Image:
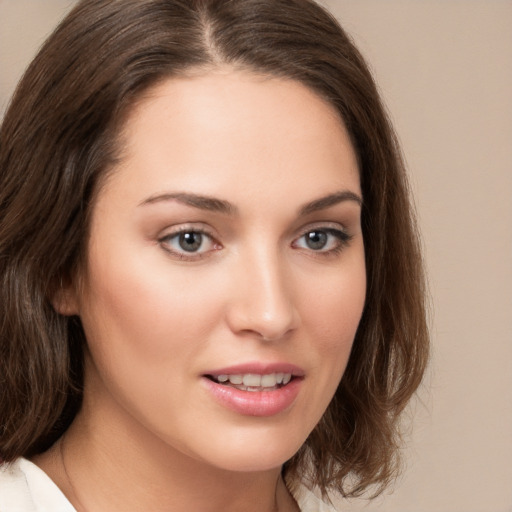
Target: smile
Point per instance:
(255, 389)
(252, 381)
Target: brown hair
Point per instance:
(57, 141)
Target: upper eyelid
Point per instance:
(187, 227)
(165, 242)
(170, 234)
(325, 225)
(205, 229)
(341, 236)
(329, 230)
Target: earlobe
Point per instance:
(64, 300)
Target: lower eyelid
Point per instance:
(342, 238)
(341, 235)
(166, 242)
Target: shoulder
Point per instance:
(308, 501)
(26, 488)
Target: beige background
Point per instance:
(445, 71)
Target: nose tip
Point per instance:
(273, 324)
(263, 305)
(269, 324)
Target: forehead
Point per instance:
(212, 131)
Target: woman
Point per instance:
(212, 292)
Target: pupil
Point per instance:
(316, 239)
(190, 242)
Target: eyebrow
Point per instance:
(328, 201)
(211, 204)
(214, 204)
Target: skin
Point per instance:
(150, 436)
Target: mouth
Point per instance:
(255, 388)
(256, 376)
(253, 382)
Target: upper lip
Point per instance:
(258, 368)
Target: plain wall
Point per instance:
(445, 71)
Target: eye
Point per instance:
(188, 243)
(325, 240)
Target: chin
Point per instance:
(251, 453)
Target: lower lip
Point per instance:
(255, 403)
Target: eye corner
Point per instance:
(323, 240)
(188, 243)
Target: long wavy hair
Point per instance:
(57, 141)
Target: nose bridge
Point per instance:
(264, 302)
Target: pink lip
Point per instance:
(258, 368)
(256, 403)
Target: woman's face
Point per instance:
(225, 271)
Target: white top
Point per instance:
(24, 487)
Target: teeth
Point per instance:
(250, 381)
(269, 381)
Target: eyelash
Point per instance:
(190, 256)
(342, 240)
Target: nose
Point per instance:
(262, 302)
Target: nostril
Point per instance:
(263, 305)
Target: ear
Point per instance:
(64, 300)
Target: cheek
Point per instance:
(337, 307)
(145, 335)
(333, 318)
(140, 309)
